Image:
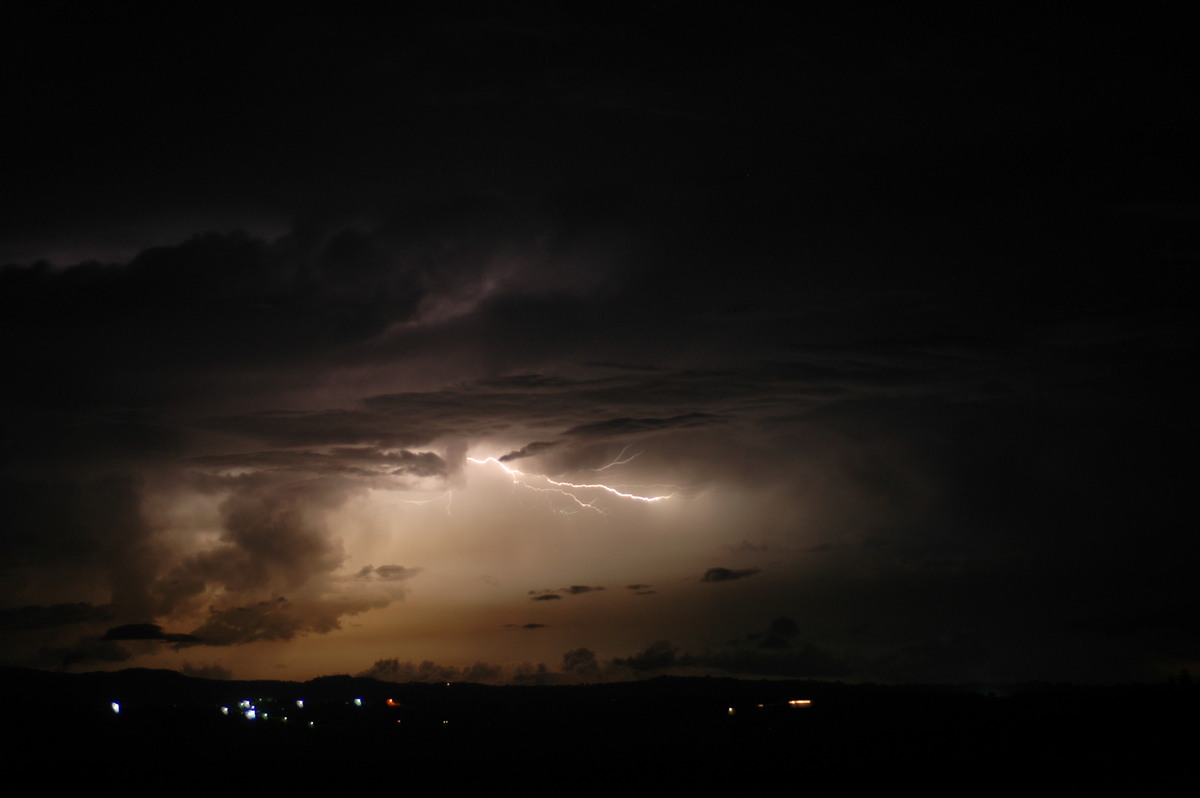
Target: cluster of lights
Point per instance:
(249, 711)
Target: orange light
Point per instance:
(800, 702)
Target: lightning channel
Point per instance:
(620, 460)
(565, 488)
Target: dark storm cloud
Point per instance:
(213, 300)
(727, 574)
(568, 406)
(211, 671)
(951, 657)
(321, 293)
(575, 590)
(799, 661)
(266, 620)
(779, 651)
(942, 348)
(393, 670)
(85, 651)
(352, 461)
(657, 655)
(273, 535)
(146, 631)
(530, 674)
(43, 617)
(280, 619)
(581, 662)
(634, 426)
(94, 524)
(529, 450)
(275, 541)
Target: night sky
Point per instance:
(559, 342)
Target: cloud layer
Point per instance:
(366, 341)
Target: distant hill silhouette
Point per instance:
(659, 733)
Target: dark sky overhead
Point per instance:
(564, 342)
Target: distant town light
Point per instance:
(116, 708)
(358, 702)
(800, 702)
(300, 703)
(224, 710)
(732, 711)
(251, 714)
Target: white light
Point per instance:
(300, 703)
(565, 488)
(224, 710)
(358, 702)
(251, 714)
(116, 708)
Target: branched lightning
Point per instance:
(619, 461)
(566, 488)
(448, 496)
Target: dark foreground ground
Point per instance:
(667, 735)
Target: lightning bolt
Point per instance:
(565, 488)
(448, 496)
(618, 461)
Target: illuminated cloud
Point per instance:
(299, 406)
(278, 619)
(387, 573)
